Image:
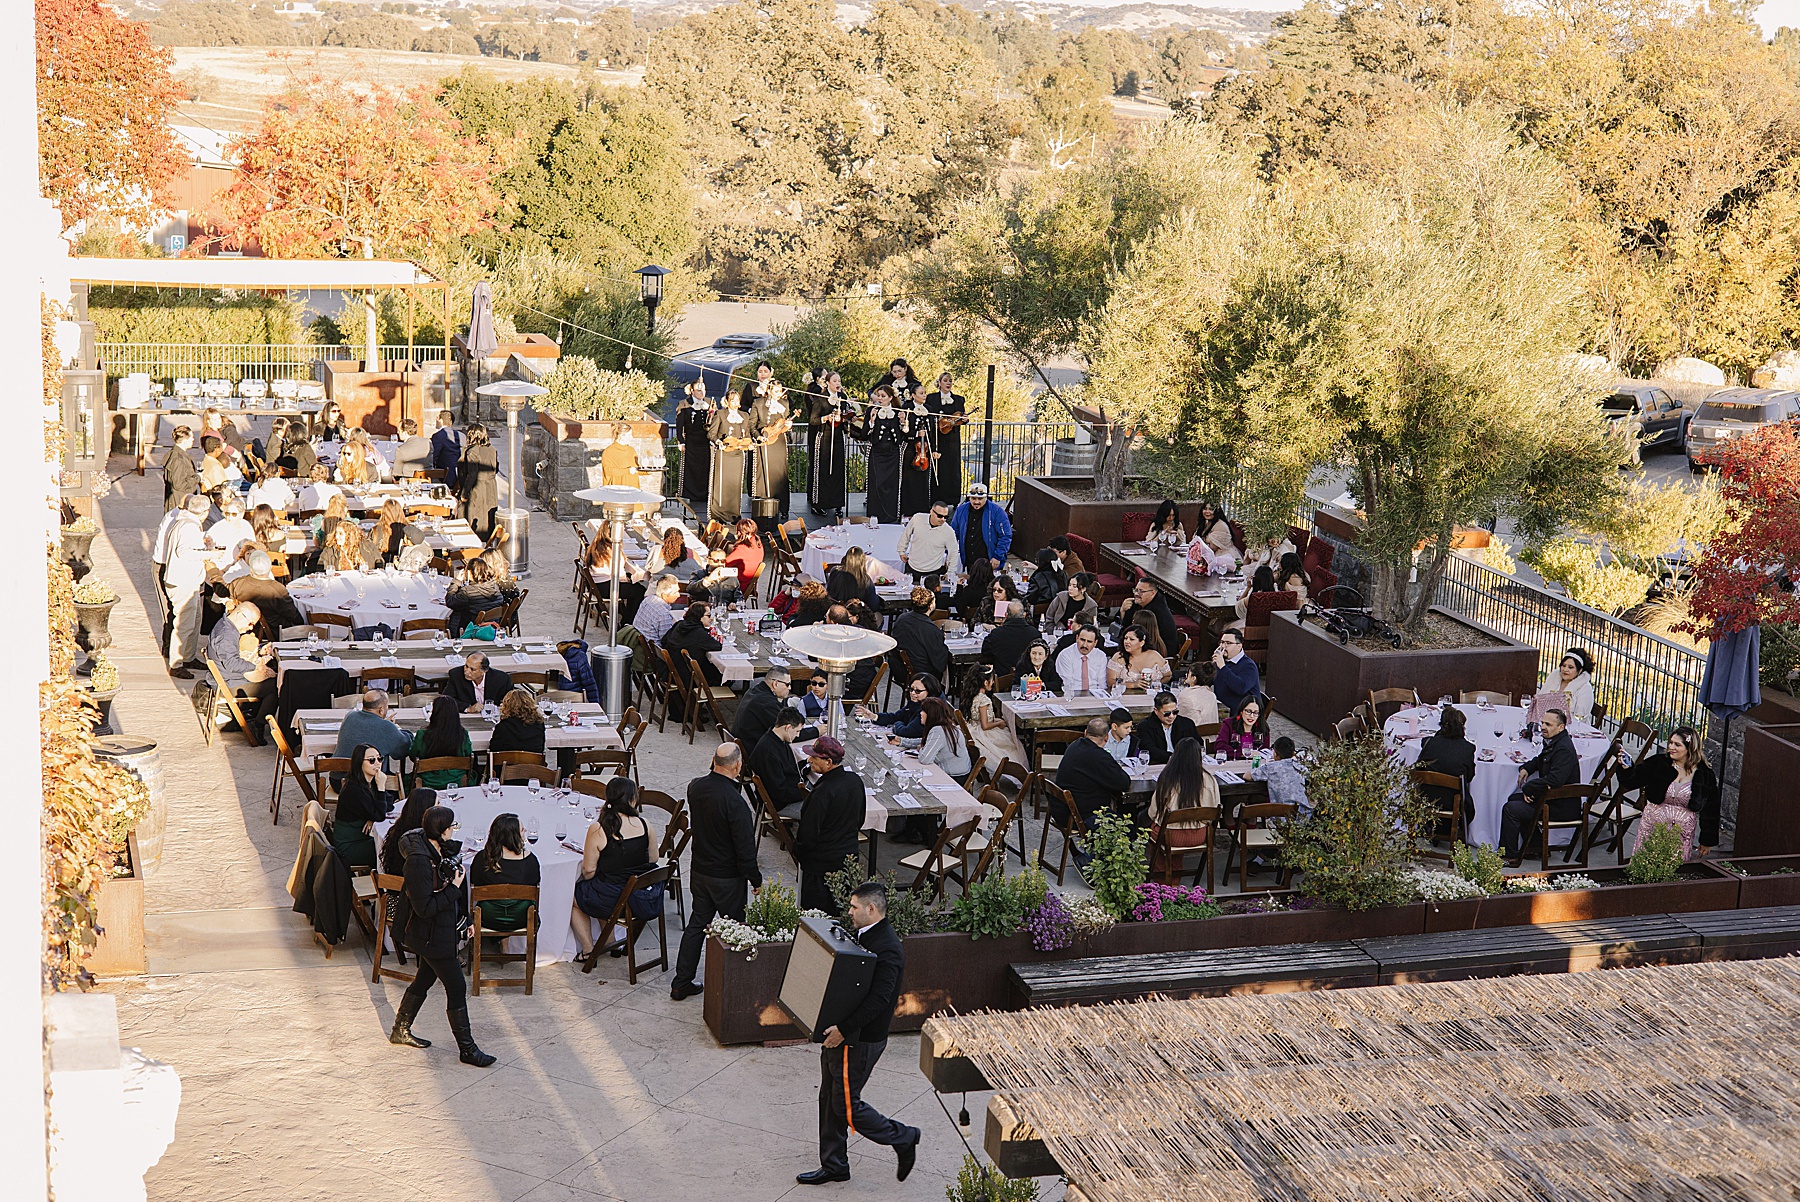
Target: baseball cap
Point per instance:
(978, 490)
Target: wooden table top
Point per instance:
(1169, 570)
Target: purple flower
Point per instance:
(1155, 895)
(1051, 925)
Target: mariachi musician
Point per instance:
(884, 428)
(827, 491)
(951, 412)
(771, 416)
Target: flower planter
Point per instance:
(119, 950)
(76, 549)
(92, 634)
(949, 970)
(1042, 509)
(1316, 680)
(1701, 886)
(1765, 880)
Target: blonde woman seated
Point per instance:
(1139, 668)
(343, 549)
(1270, 554)
(352, 464)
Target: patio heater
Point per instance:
(837, 648)
(613, 662)
(511, 395)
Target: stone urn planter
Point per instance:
(76, 547)
(92, 633)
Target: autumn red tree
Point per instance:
(334, 170)
(1748, 573)
(104, 97)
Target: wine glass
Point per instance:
(562, 828)
(531, 787)
(531, 830)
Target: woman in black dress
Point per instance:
(692, 419)
(617, 847)
(505, 861)
(827, 484)
(917, 456)
(363, 801)
(430, 914)
(478, 483)
(729, 431)
(884, 427)
(950, 410)
(770, 419)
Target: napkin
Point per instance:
(390, 661)
(454, 660)
(519, 657)
(907, 802)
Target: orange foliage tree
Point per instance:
(104, 97)
(339, 171)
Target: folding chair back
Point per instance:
(481, 893)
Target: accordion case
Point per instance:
(828, 975)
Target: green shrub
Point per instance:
(1658, 856)
(977, 1182)
(1481, 866)
(1354, 848)
(1119, 865)
(773, 908)
(579, 389)
(993, 907)
(908, 913)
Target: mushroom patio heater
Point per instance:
(837, 648)
(613, 662)
(511, 395)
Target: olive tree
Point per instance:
(1402, 324)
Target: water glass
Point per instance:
(531, 787)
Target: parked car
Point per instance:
(1732, 413)
(730, 362)
(1656, 420)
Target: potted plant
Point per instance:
(77, 543)
(94, 600)
(1764, 880)
(1353, 849)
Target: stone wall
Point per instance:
(556, 468)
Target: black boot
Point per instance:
(403, 1017)
(465, 1040)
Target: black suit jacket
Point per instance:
(1007, 642)
(868, 1023)
(180, 478)
(1165, 621)
(756, 714)
(458, 689)
(1147, 735)
(1093, 778)
(829, 824)
(773, 762)
(724, 832)
(923, 642)
(1555, 766)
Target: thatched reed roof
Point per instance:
(1644, 1084)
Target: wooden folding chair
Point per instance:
(588, 786)
(334, 621)
(481, 930)
(581, 551)
(1250, 833)
(1385, 703)
(229, 696)
(675, 840)
(622, 915)
(902, 672)
(1015, 782)
(631, 732)
(1048, 742)
(514, 774)
(443, 763)
(1071, 828)
(498, 760)
(425, 626)
(1478, 696)
(945, 860)
(1449, 820)
(285, 764)
(400, 680)
(596, 763)
(324, 767)
(1577, 827)
(1347, 728)
(969, 781)
(769, 819)
(387, 886)
(711, 695)
(991, 847)
(532, 679)
(1611, 807)
(656, 799)
(1167, 859)
(868, 697)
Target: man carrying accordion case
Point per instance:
(842, 992)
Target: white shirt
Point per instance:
(318, 495)
(1068, 666)
(275, 492)
(159, 553)
(186, 566)
(228, 534)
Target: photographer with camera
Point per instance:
(430, 913)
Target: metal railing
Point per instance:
(1019, 449)
(239, 361)
(1636, 675)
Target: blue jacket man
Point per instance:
(446, 449)
(982, 528)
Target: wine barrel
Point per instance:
(1069, 458)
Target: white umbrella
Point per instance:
(481, 340)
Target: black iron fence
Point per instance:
(1637, 674)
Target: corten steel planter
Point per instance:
(1768, 810)
(1315, 680)
(119, 949)
(1701, 886)
(1765, 880)
(1041, 510)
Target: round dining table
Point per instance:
(559, 859)
(385, 596)
(1500, 750)
(828, 544)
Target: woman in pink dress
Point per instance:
(1679, 787)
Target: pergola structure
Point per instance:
(1665, 1082)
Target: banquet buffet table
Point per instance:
(1499, 751)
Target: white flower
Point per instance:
(1435, 885)
(1576, 880)
(1530, 884)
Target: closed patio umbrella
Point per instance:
(1729, 686)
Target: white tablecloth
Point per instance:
(367, 598)
(828, 544)
(558, 866)
(1496, 778)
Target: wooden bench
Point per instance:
(1753, 934)
(1551, 947)
(1280, 969)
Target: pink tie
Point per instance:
(1084, 675)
